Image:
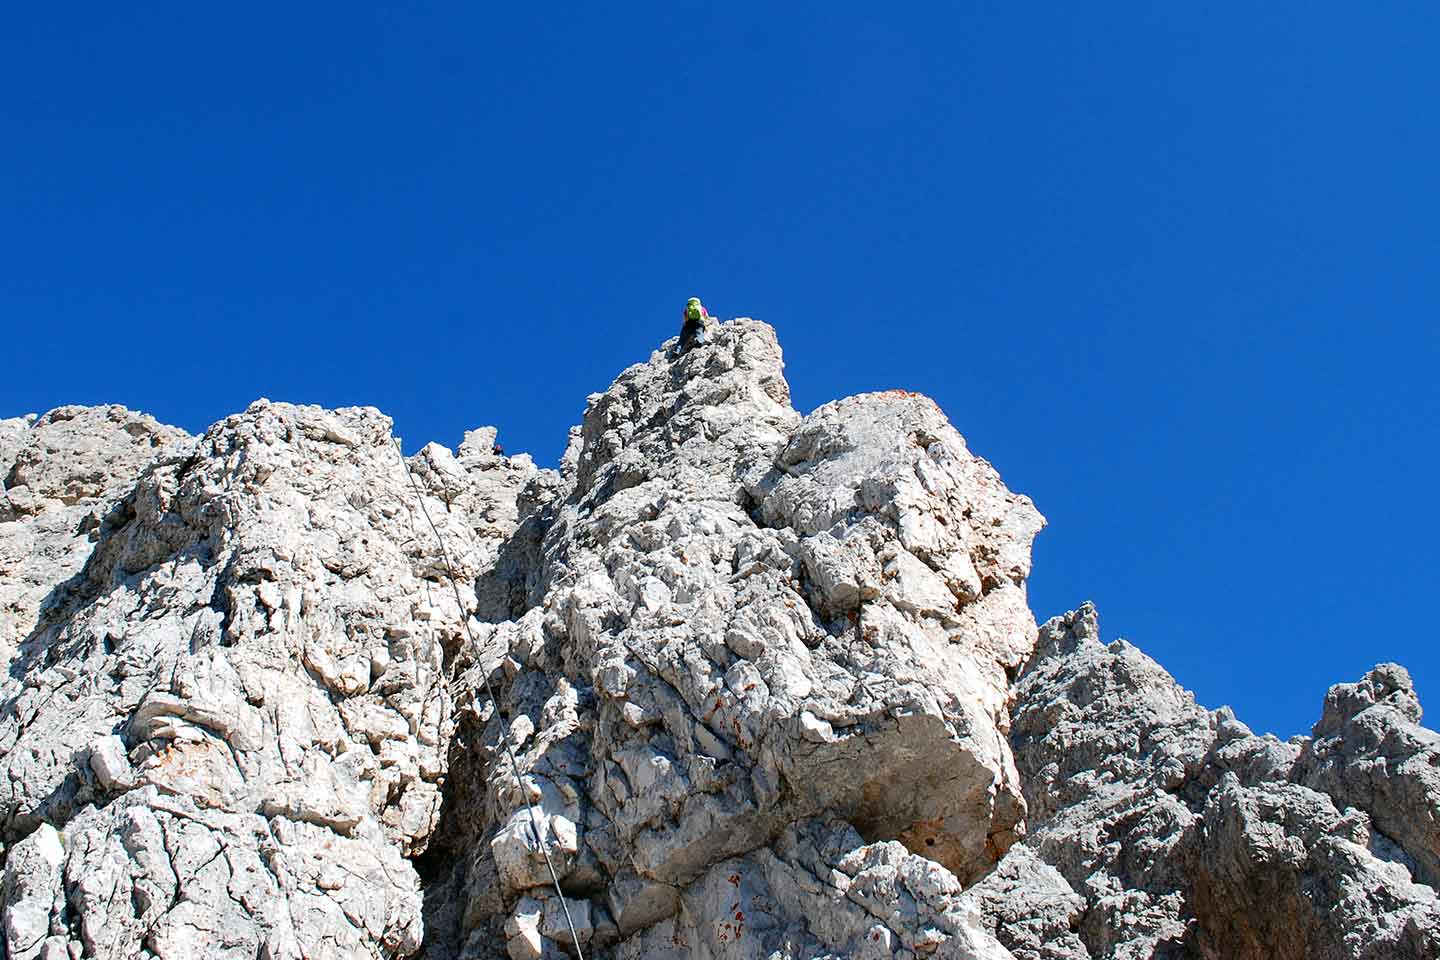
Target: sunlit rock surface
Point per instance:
(771, 681)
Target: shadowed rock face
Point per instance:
(1187, 836)
(756, 669)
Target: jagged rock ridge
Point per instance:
(771, 680)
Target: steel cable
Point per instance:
(490, 691)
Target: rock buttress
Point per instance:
(762, 694)
(226, 730)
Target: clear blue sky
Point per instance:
(1173, 268)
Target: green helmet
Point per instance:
(693, 310)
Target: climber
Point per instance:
(696, 327)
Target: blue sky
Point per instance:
(1172, 268)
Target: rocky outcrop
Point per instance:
(1369, 751)
(763, 685)
(1187, 836)
(233, 721)
(61, 475)
(749, 623)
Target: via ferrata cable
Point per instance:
(490, 692)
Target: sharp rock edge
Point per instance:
(772, 681)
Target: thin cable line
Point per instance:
(490, 691)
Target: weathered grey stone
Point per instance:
(1184, 833)
(32, 898)
(14, 431)
(1030, 908)
(1280, 872)
(819, 891)
(769, 684)
(246, 665)
(109, 763)
(62, 474)
(733, 605)
(1369, 751)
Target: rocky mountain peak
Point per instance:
(764, 684)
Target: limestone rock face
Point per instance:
(61, 474)
(232, 705)
(1369, 751)
(1185, 835)
(749, 624)
(762, 684)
